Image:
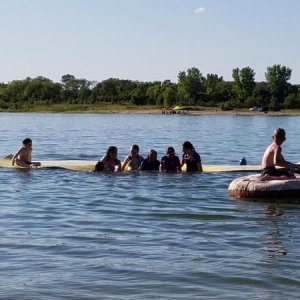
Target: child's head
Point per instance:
(279, 135)
(27, 141)
(170, 151)
(152, 154)
(187, 147)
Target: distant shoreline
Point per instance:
(153, 111)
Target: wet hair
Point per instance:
(152, 151)
(136, 147)
(99, 167)
(111, 149)
(188, 145)
(279, 133)
(27, 141)
(170, 150)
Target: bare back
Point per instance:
(272, 156)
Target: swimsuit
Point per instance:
(170, 163)
(135, 164)
(272, 171)
(24, 161)
(191, 161)
(109, 165)
(150, 166)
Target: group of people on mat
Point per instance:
(170, 162)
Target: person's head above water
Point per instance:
(170, 151)
(152, 155)
(112, 152)
(187, 147)
(135, 149)
(279, 135)
(27, 141)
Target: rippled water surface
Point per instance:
(80, 235)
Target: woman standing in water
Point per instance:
(191, 158)
(133, 161)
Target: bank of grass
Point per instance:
(110, 108)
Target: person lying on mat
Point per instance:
(273, 157)
(23, 157)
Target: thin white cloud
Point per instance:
(199, 10)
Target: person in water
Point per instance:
(110, 161)
(151, 163)
(273, 157)
(133, 161)
(24, 156)
(191, 158)
(99, 167)
(170, 162)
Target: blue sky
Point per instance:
(146, 40)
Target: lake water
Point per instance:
(80, 235)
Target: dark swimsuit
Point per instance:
(25, 161)
(272, 171)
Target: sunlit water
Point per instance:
(80, 235)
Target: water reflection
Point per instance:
(274, 247)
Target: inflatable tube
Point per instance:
(252, 187)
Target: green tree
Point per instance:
(13, 92)
(154, 93)
(139, 94)
(262, 94)
(213, 86)
(75, 90)
(243, 82)
(42, 89)
(277, 78)
(190, 86)
(169, 94)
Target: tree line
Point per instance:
(192, 89)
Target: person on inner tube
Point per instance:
(273, 157)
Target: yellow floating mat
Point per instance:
(80, 165)
(231, 168)
(89, 165)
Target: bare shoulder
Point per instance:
(21, 150)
